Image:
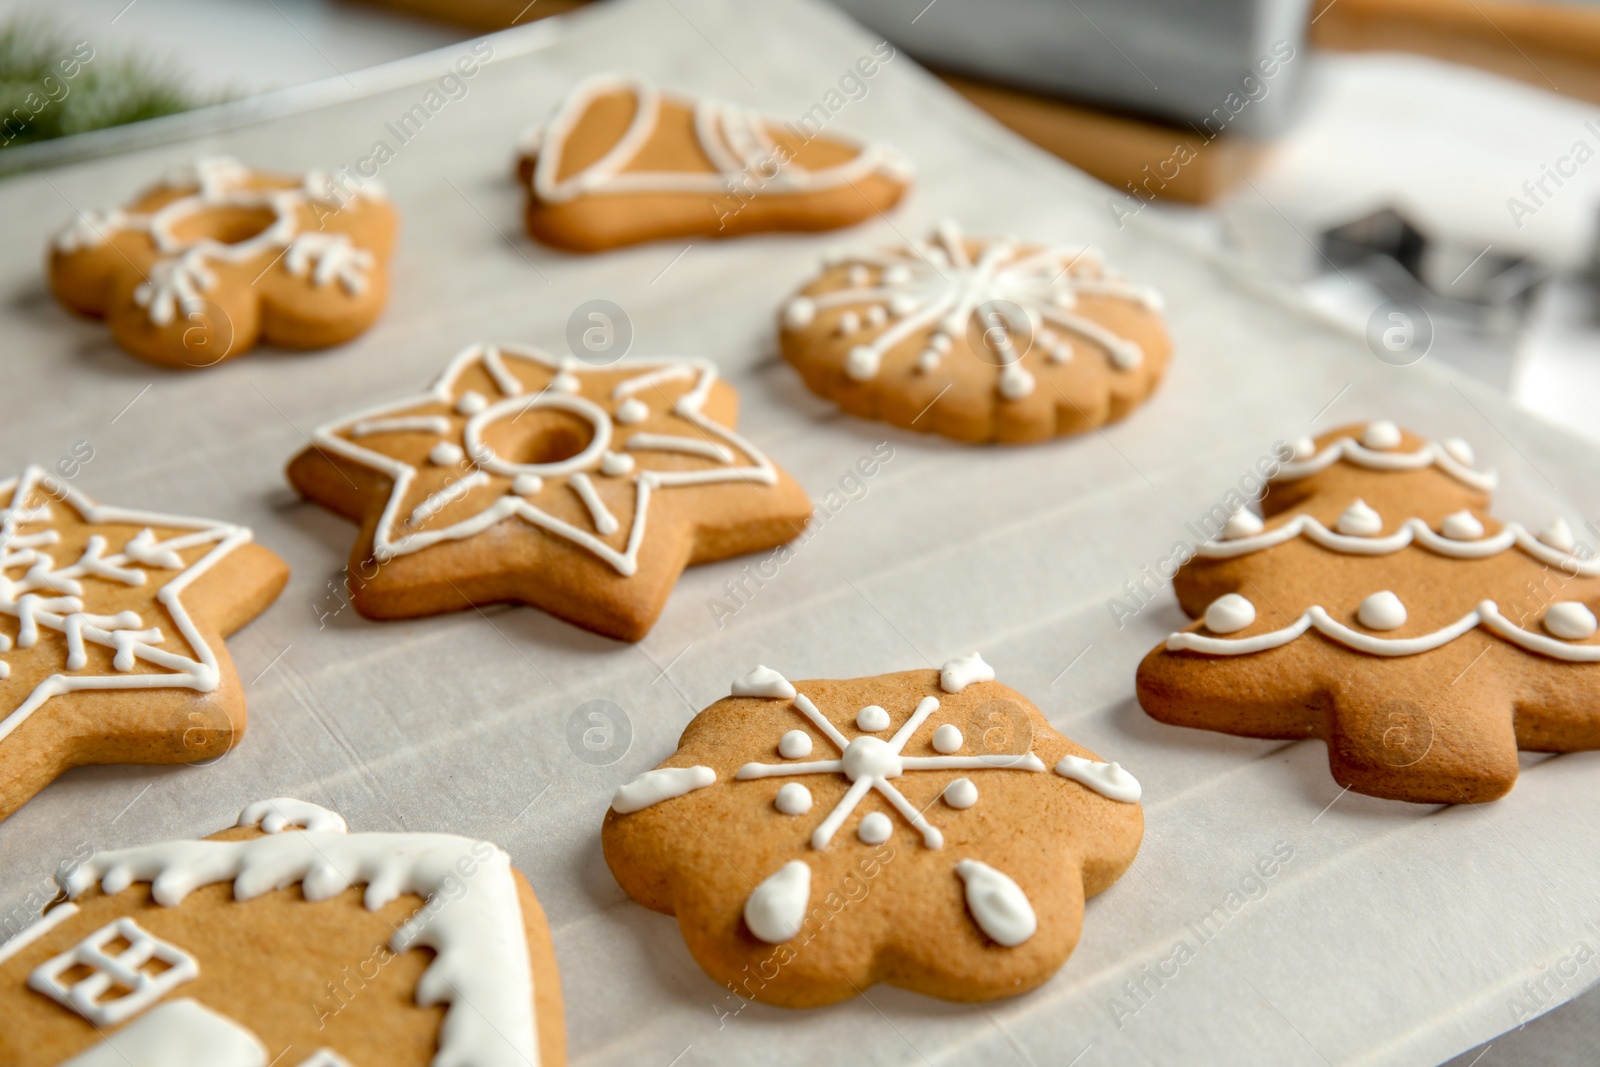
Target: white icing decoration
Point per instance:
(282, 813)
(1308, 461)
(962, 671)
(1459, 451)
(616, 464)
(1359, 520)
(118, 985)
(605, 522)
(180, 1033)
(763, 681)
(737, 142)
(875, 828)
(869, 763)
(325, 1057)
(933, 289)
(480, 968)
(947, 739)
(1382, 611)
(182, 271)
(872, 719)
(961, 794)
(792, 799)
(998, 905)
(1110, 780)
(1569, 620)
(775, 911)
(1462, 525)
(1558, 535)
(631, 412)
(565, 382)
(799, 313)
(1486, 614)
(734, 458)
(67, 611)
(434, 424)
(796, 744)
(37, 929)
(1381, 436)
(446, 454)
(663, 783)
(1229, 613)
(1242, 523)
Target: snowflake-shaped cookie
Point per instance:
(217, 256)
(980, 340)
(519, 476)
(771, 835)
(111, 628)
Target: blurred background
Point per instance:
(1426, 171)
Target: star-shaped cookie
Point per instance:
(583, 491)
(111, 633)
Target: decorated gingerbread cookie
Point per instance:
(582, 491)
(979, 340)
(216, 257)
(1377, 605)
(927, 829)
(620, 163)
(111, 633)
(286, 941)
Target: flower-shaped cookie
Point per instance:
(1377, 605)
(979, 340)
(580, 490)
(619, 163)
(218, 256)
(927, 829)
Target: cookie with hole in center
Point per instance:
(982, 340)
(927, 829)
(286, 940)
(519, 476)
(620, 163)
(217, 257)
(1377, 605)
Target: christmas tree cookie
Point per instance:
(1377, 605)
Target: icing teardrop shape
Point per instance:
(998, 905)
(1242, 523)
(963, 671)
(1463, 525)
(763, 681)
(1110, 780)
(1359, 520)
(1382, 611)
(775, 910)
(1558, 535)
(1381, 436)
(1229, 613)
(1569, 620)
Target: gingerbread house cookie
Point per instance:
(291, 942)
(217, 256)
(927, 829)
(111, 633)
(580, 490)
(619, 163)
(1377, 605)
(977, 339)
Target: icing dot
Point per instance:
(1569, 620)
(616, 463)
(1015, 382)
(872, 719)
(565, 382)
(1065, 298)
(446, 454)
(961, 793)
(1558, 535)
(940, 343)
(875, 828)
(1304, 448)
(796, 744)
(1381, 611)
(1381, 436)
(947, 739)
(928, 360)
(849, 322)
(471, 402)
(1242, 523)
(898, 274)
(1229, 613)
(799, 313)
(901, 305)
(877, 315)
(1461, 526)
(1460, 451)
(632, 411)
(1060, 353)
(1359, 520)
(526, 484)
(793, 799)
(859, 275)
(862, 363)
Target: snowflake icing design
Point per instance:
(42, 596)
(934, 288)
